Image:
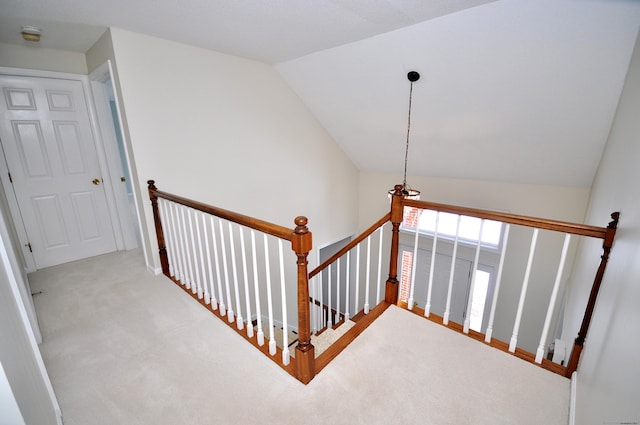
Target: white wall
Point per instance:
(33, 57)
(229, 132)
(609, 370)
(19, 353)
(553, 202)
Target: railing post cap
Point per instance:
(301, 222)
(152, 184)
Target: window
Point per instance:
(447, 224)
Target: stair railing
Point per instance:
(399, 203)
(201, 248)
(188, 241)
(346, 288)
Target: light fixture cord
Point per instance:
(406, 150)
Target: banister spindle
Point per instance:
(301, 243)
(379, 279)
(212, 289)
(225, 268)
(234, 270)
(496, 291)
(185, 249)
(216, 258)
(338, 290)
(285, 321)
(329, 318)
(203, 288)
(178, 267)
(356, 295)
(256, 288)
(367, 277)
(447, 311)
(267, 266)
(427, 307)
(347, 282)
(195, 276)
(467, 318)
(523, 292)
(245, 274)
(414, 262)
(552, 301)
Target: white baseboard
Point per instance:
(154, 270)
(572, 398)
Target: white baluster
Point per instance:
(178, 270)
(195, 277)
(357, 292)
(427, 307)
(234, 268)
(552, 301)
(445, 317)
(185, 251)
(272, 338)
(216, 258)
(346, 284)
(329, 319)
(256, 288)
(225, 268)
(247, 298)
(379, 280)
(318, 310)
(414, 263)
(285, 325)
(467, 318)
(204, 287)
(319, 295)
(367, 276)
(496, 290)
(214, 301)
(338, 291)
(523, 293)
(312, 305)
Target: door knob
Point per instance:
(95, 181)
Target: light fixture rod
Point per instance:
(412, 77)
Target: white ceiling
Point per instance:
(512, 90)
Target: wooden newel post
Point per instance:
(593, 296)
(301, 243)
(397, 211)
(162, 249)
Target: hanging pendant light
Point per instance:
(407, 192)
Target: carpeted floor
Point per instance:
(124, 347)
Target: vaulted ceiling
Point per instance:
(511, 90)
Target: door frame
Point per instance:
(130, 236)
(29, 261)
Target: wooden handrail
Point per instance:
(301, 243)
(540, 223)
(253, 223)
(350, 245)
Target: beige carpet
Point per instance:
(124, 347)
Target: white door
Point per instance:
(49, 148)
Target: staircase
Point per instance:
(325, 339)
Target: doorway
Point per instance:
(58, 174)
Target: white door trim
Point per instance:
(130, 229)
(30, 265)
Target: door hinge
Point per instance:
(28, 245)
(10, 178)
